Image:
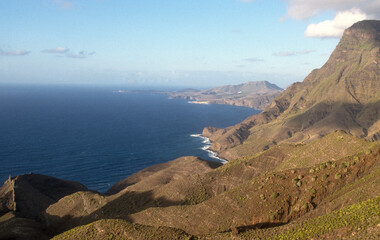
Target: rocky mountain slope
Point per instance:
(272, 195)
(308, 167)
(256, 95)
(343, 94)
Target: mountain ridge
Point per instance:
(253, 94)
(342, 94)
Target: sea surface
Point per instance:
(97, 136)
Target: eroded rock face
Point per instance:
(343, 94)
(31, 194)
(23, 200)
(7, 197)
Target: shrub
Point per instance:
(324, 177)
(275, 195)
(262, 197)
(343, 165)
(338, 176)
(304, 207)
(323, 166)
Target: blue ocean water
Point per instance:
(97, 136)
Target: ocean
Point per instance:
(97, 136)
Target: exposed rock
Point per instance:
(31, 194)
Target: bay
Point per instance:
(97, 136)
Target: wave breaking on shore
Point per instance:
(207, 143)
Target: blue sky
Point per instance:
(178, 43)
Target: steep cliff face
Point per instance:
(342, 95)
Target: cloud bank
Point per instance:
(67, 53)
(335, 28)
(292, 53)
(14, 53)
(56, 50)
(347, 12)
(81, 54)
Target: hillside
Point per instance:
(275, 193)
(263, 196)
(342, 95)
(256, 95)
(308, 167)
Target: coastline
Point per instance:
(199, 102)
(206, 147)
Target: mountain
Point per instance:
(256, 95)
(342, 95)
(308, 167)
(275, 194)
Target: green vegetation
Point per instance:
(338, 176)
(120, 229)
(324, 177)
(275, 195)
(197, 195)
(358, 216)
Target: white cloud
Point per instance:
(292, 53)
(81, 54)
(56, 50)
(14, 53)
(347, 12)
(302, 9)
(335, 28)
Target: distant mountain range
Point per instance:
(256, 95)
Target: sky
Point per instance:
(189, 43)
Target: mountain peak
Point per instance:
(367, 30)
